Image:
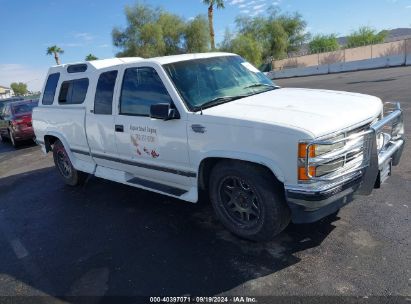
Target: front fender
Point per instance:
(249, 157)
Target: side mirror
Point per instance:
(163, 111)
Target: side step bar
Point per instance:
(157, 186)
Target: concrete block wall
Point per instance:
(368, 52)
(382, 62)
(408, 51)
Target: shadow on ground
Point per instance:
(5, 146)
(109, 239)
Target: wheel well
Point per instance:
(208, 164)
(49, 140)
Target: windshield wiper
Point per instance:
(218, 101)
(255, 85)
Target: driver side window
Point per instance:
(141, 88)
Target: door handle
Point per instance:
(119, 128)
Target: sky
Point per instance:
(81, 27)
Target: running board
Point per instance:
(157, 186)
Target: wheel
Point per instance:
(62, 162)
(13, 141)
(3, 138)
(248, 200)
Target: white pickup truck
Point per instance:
(179, 125)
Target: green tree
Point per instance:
(277, 34)
(211, 4)
(19, 88)
(142, 33)
(364, 36)
(173, 28)
(225, 45)
(196, 35)
(90, 57)
(324, 43)
(247, 47)
(152, 32)
(295, 27)
(55, 51)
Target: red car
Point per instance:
(15, 121)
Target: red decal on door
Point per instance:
(154, 154)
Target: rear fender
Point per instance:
(78, 164)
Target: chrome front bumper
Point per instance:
(324, 195)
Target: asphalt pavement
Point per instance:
(108, 239)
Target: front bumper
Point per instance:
(309, 204)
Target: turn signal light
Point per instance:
(302, 150)
(302, 173)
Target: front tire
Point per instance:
(69, 174)
(248, 200)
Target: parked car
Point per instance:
(16, 121)
(3, 102)
(180, 124)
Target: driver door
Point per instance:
(150, 149)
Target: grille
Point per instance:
(351, 153)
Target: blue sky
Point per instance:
(80, 27)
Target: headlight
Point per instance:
(317, 150)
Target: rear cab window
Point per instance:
(73, 91)
(50, 89)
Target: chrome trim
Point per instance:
(364, 140)
(394, 147)
(320, 187)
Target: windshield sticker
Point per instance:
(250, 67)
(144, 141)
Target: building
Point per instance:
(5, 92)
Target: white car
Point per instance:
(177, 125)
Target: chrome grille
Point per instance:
(354, 148)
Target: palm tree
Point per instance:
(90, 57)
(211, 3)
(55, 50)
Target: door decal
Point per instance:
(144, 141)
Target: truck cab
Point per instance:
(178, 125)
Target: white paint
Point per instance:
(250, 67)
(317, 112)
(265, 128)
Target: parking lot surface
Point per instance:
(107, 239)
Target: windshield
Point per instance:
(210, 81)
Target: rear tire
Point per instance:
(13, 141)
(68, 173)
(248, 200)
(3, 139)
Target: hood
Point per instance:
(319, 112)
